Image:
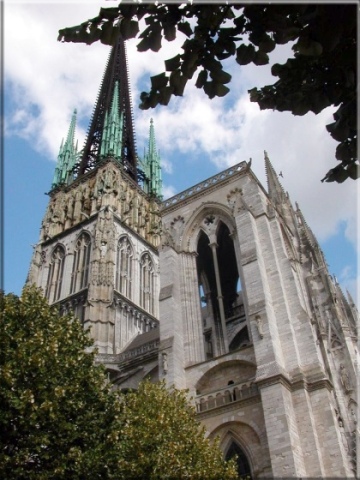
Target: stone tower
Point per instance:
(221, 289)
(103, 220)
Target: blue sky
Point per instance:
(45, 80)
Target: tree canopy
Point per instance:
(322, 71)
(60, 419)
(164, 440)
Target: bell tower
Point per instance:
(97, 252)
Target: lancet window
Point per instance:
(55, 276)
(80, 272)
(147, 279)
(124, 267)
(242, 463)
(220, 292)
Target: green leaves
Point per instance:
(308, 47)
(322, 72)
(245, 54)
(53, 397)
(161, 438)
(59, 418)
(129, 28)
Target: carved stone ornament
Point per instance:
(235, 200)
(167, 239)
(164, 362)
(177, 229)
(345, 380)
(259, 326)
(103, 265)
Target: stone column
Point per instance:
(193, 330)
(223, 340)
(171, 318)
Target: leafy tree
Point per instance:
(164, 440)
(57, 415)
(59, 418)
(323, 71)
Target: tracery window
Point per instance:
(55, 276)
(80, 272)
(147, 283)
(124, 267)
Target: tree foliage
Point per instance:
(57, 414)
(164, 440)
(60, 419)
(322, 72)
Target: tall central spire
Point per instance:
(114, 89)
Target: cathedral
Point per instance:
(222, 290)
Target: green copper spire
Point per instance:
(67, 157)
(111, 141)
(152, 167)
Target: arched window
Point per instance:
(124, 266)
(55, 277)
(80, 272)
(243, 467)
(147, 283)
(219, 284)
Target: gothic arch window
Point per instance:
(80, 272)
(147, 283)
(124, 267)
(242, 463)
(220, 288)
(56, 272)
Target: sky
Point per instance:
(45, 80)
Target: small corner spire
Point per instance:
(275, 189)
(67, 156)
(152, 166)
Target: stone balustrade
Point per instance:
(224, 396)
(203, 185)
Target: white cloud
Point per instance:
(49, 79)
(169, 191)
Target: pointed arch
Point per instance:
(220, 288)
(147, 282)
(189, 238)
(247, 437)
(124, 266)
(80, 271)
(241, 339)
(233, 449)
(56, 273)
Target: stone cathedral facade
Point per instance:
(222, 290)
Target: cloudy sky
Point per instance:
(46, 80)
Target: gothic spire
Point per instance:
(275, 190)
(115, 78)
(152, 167)
(67, 157)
